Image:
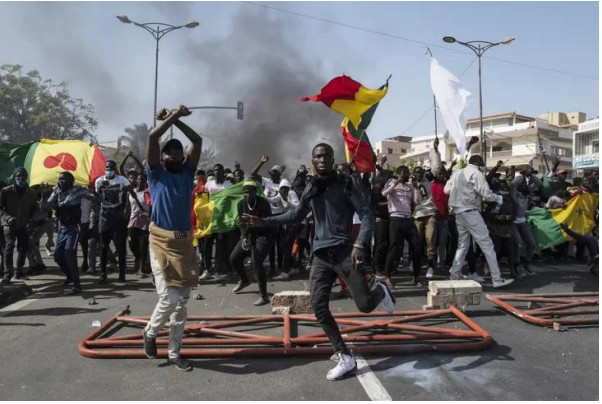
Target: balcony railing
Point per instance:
(499, 153)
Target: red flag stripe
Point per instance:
(339, 88)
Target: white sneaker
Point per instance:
(476, 277)
(430, 272)
(205, 275)
(48, 252)
(282, 277)
(346, 364)
(388, 302)
(222, 277)
(502, 282)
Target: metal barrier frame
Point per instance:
(558, 306)
(410, 338)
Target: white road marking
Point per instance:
(373, 387)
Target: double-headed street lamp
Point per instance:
(479, 47)
(157, 33)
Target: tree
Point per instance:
(135, 140)
(32, 108)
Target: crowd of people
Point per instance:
(328, 222)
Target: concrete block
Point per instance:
(293, 301)
(443, 294)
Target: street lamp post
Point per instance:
(479, 47)
(157, 33)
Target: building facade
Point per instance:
(586, 146)
(393, 148)
(512, 138)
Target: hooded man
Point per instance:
(18, 205)
(66, 200)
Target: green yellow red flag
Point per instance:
(578, 214)
(218, 212)
(357, 104)
(45, 159)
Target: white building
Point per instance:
(586, 146)
(513, 138)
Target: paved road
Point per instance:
(40, 361)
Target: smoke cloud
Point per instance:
(258, 62)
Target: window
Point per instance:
(389, 151)
(403, 151)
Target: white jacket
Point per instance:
(468, 187)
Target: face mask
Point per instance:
(110, 173)
(20, 183)
(173, 167)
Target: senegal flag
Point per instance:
(357, 104)
(578, 215)
(45, 159)
(218, 212)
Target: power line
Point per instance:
(393, 36)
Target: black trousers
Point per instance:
(207, 251)
(19, 238)
(381, 243)
(260, 248)
(401, 229)
(223, 248)
(116, 231)
(138, 242)
(505, 246)
(276, 251)
(84, 242)
(286, 246)
(326, 265)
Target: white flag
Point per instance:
(452, 99)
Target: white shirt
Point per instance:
(280, 205)
(212, 186)
(111, 196)
(86, 206)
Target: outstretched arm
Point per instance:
(264, 159)
(194, 155)
(138, 163)
(153, 150)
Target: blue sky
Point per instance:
(111, 65)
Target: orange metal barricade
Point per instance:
(227, 335)
(546, 309)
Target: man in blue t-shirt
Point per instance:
(173, 260)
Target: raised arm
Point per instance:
(435, 158)
(138, 163)
(194, 154)
(264, 159)
(153, 150)
(122, 164)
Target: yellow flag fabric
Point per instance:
(48, 158)
(578, 214)
(354, 109)
(203, 209)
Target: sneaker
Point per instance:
(205, 276)
(5, 281)
(180, 364)
(48, 252)
(282, 277)
(241, 285)
(220, 278)
(67, 282)
(76, 290)
(527, 271)
(476, 277)
(121, 279)
(346, 364)
(150, 346)
(430, 272)
(263, 300)
(19, 275)
(502, 282)
(294, 272)
(102, 278)
(388, 302)
(461, 277)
